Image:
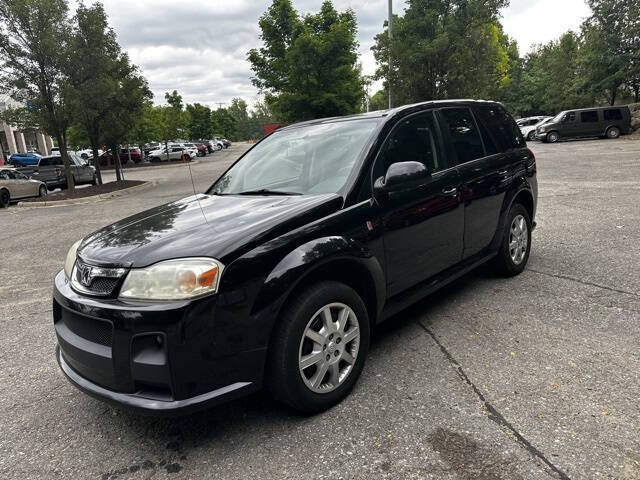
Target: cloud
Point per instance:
(199, 47)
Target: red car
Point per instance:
(136, 156)
(202, 149)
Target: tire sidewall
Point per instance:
(295, 322)
(553, 137)
(510, 266)
(613, 129)
(42, 191)
(5, 198)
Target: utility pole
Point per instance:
(220, 104)
(390, 40)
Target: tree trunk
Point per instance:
(96, 159)
(636, 92)
(129, 152)
(614, 92)
(115, 154)
(67, 164)
(166, 147)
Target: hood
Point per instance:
(219, 226)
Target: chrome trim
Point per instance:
(89, 274)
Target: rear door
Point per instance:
(487, 144)
(423, 226)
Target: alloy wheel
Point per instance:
(329, 347)
(518, 239)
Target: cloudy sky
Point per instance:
(199, 47)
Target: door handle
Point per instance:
(450, 191)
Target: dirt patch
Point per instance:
(91, 191)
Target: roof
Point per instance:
(392, 112)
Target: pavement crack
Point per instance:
(584, 282)
(494, 414)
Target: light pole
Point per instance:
(390, 40)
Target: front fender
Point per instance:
(519, 188)
(306, 259)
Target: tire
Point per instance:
(284, 377)
(531, 136)
(94, 181)
(515, 248)
(5, 198)
(553, 137)
(613, 132)
(42, 191)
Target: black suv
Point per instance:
(276, 275)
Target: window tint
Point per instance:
(45, 162)
(613, 114)
(413, 140)
(463, 133)
(589, 117)
(501, 128)
(4, 175)
(569, 117)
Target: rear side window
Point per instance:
(589, 117)
(45, 162)
(613, 114)
(463, 133)
(500, 128)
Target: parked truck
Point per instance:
(50, 171)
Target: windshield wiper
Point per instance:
(266, 191)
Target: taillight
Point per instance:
(532, 160)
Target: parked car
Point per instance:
(14, 185)
(191, 149)
(24, 159)
(217, 144)
(202, 149)
(176, 152)
(88, 153)
(275, 276)
(136, 156)
(50, 170)
(150, 147)
(528, 127)
(604, 122)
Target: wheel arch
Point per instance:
(329, 258)
(522, 195)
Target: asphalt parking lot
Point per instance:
(533, 377)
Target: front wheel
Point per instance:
(613, 132)
(553, 137)
(514, 251)
(531, 136)
(319, 347)
(5, 198)
(42, 191)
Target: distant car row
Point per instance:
(603, 122)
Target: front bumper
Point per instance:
(156, 357)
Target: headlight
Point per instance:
(71, 258)
(173, 280)
(542, 129)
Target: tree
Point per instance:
(130, 96)
(446, 49)
(307, 67)
(379, 100)
(34, 47)
(239, 111)
(223, 123)
(199, 121)
(93, 70)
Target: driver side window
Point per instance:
(414, 139)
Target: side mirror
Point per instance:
(402, 176)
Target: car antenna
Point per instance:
(194, 192)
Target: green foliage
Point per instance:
(379, 100)
(198, 121)
(34, 46)
(223, 123)
(445, 49)
(307, 67)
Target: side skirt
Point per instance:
(418, 292)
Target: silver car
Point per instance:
(15, 185)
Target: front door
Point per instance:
(423, 226)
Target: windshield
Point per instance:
(313, 159)
(558, 117)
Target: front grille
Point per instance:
(92, 329)
(94, 280)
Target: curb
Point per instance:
(86, 200)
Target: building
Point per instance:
(13, 141)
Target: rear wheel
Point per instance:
(613, 132)
(516, 242)
(319, 347)
(5, 198)
(553, 137)
(531, 136)
(42, 191)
